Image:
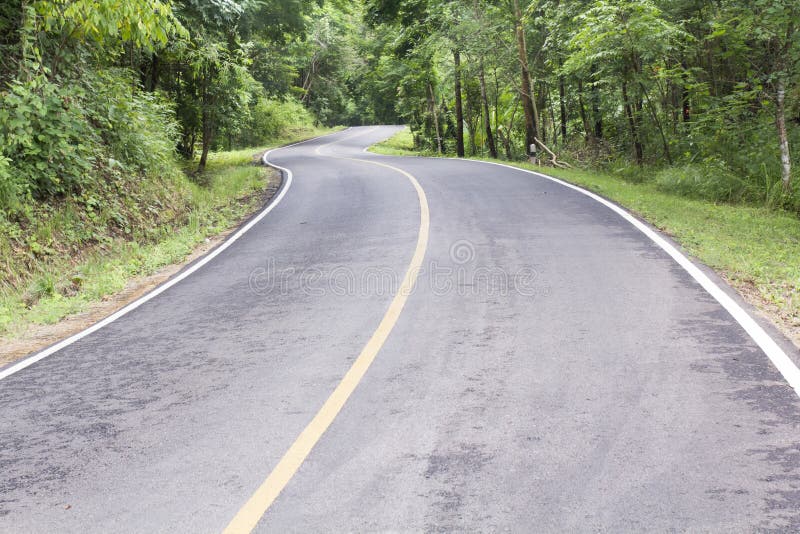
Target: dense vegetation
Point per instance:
(705, 91)
(110, 109)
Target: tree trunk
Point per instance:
(710, 55)
(154, 72)
(686, 108)
(496, 106)
(435, 118)
(687, 112)
(25, 39)
(309, 79)
(206, 140)
(206, 120)
(780, 122)
(587, 132)
(469, 114)
(506, 138)
(186, 144)
(596, 116)
(541, 128)
(654, 114)
(487, 123)
(525, 92)
(629, 113)
(563, 108)
(459, 105)
(553, 120)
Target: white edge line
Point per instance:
(22, 364)
(774, 352)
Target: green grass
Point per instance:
(748, 244)
(245, 155)
(400, 144)
(56, 285)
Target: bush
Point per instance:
(625, 169)
(10, 187)
(60, 139)
(138, 129)
(43, 128)
(271, 119)
(711, 180)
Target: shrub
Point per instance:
(138, 128)
(10, 187)
(60, 139)
(710, 180)
(43, 126)
(271, 118)
(625, 169)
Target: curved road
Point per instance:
(553, 369)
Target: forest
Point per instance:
(709, 88)
(704, 91)
(110, 109)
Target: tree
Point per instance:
(620, 42)
(773, 26)
(526, 89)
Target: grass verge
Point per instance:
(756, 249)
(56, 281)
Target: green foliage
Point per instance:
(144, 23)
(76, 259)
(226, 89)
(96, 95)
(138, 128)
(44, 130)
(271, 119)
(712, 180)
(59, 137)
(11, 187)
(273, 67)
(696, 85)
(622, 36)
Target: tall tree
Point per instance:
(526, 90)
(458, 103)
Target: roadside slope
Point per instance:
(69, 290)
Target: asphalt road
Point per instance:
(552, 370)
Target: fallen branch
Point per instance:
(553, 158)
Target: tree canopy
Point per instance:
(709, 85)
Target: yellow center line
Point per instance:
(250, 514)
